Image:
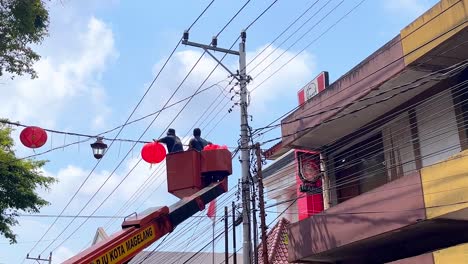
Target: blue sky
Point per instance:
(100, 58)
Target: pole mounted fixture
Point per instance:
(242, 78)
(214, 41)
(243, 35)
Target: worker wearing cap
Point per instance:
(172, 141)
(197, 142)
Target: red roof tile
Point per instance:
(277, 244)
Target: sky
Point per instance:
(101, 56)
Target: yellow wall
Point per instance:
(423, 30)
(452, 255)
(446, 183)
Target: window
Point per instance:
(437, 129)
(399, 146)
(460, 100)
(359, 168)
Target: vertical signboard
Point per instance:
(308, 175)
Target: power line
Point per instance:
(174, 235)
(231, 47)
(387, 150)
(427, 103)
(264, 49)
(425, 79)
(168, 106)
(221, 60)
(56, 148)
(118, 165)
(233, 17)
(294, 33)
(351, 179)
(284, 31)
(379, 52)
(461, 65)
(83, 216)
(261, 14)
(133, 111)
(132, 148)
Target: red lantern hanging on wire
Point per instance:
(33, 137)
(153, 152)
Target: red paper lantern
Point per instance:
(153, 152)
(33, 137)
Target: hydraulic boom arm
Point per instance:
(141, 230)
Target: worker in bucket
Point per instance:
(173, 142)
(197, 142)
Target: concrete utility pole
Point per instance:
(245, 153)
(234, 256)
(262, 204)
(226, 235)
(243, 79)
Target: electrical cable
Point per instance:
(187, 225)
(448, 149)
(294, 33)
(284, 31)
(264, 49)
(225, 54)
(425, 104)
(408, 128)
(55, 148)
(386, 169)
(233, 17)
(168, 106)
(118, 165)
(231, 46)
(182, 230)
(463, 64)
(144, 95)
(308, 45)
(97, 163)
(261, 14)
(378, 52)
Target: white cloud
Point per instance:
(62, 254)
(412, 7)
(70, 178)
(283, 84)
(63, 79)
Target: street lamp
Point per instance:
(99, 148)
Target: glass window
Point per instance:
(360, 168)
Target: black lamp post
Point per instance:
(99, 148)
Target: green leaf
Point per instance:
(19, 181)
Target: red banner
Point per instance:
(212, 210)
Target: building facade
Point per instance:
(392, 138)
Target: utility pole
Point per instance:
(38, 259)
(254, 224)
(243, 79)
(234, 233)
(245, 153)
(226, 235)
(262, 203)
